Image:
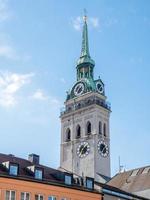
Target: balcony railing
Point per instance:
(79, 105)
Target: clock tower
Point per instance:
(85, 138)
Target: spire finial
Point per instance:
(85, 54)
(85, 45)
(85, 15)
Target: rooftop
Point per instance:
(31, 170)
(133, 180)
(26, 172)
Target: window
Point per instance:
(68, 179)
(88, 127)
(104, 129)
(145, 170)
(25, 196)
(100, 127)
(52, 198)
(13, 169)
(10, 195)
(89, 183)
(78, 131)
(134, 172)
(38, 173)
(68, 135)
(39, 197)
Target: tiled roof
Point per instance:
(114, 191)
(49, 174)
(106, 178)
(53, 176)
(132, 181)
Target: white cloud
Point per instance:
(94, 22)
(39, 95)
(8, 52)
(78, 22)
(5, 13)
(10, 84)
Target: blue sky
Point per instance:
(40, 42)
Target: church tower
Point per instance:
(85, 138)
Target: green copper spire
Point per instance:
(85, 45)
(85, 55)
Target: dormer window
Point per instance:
(134, 172)
(13, 169)
(68, 179)
(39, 174)
(146, 170)
(90, 183)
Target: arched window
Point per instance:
(100, 127)
(78, 131)
(104, 129)
(88, 127)
(68, 135)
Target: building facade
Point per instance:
(85, 137)
(22, 179)
(16, 189)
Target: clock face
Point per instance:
(79, 89)
(103, 148)
(100, 87)
(83, 149)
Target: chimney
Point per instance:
(35, 159)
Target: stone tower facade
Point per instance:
(85, 138)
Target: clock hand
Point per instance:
(83, 148)
(79, 90)
(104, 150)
